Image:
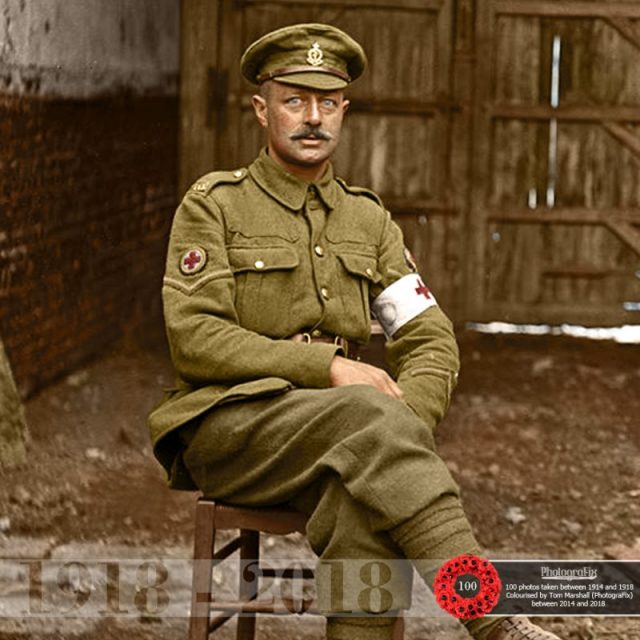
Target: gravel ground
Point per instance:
(543, 436)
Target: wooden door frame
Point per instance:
(198, 70)
(619, 221)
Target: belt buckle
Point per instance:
(306, 338)
(343, 343)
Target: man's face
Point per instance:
(303, 125)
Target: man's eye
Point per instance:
(294, 101)
(329, 102)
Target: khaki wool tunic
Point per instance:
(258, 255)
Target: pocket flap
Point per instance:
(260, 259)
(361, 265)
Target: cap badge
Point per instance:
(193, 261)
(315, 57)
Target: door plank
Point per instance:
(199, 58)
(568, 8)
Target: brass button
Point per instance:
(324, 292)
(237, 173)
(319, 250)
(370, 272)
(258, 264)
(316, 333)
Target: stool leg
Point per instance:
(203, 546)
(249, 553)
(398, 627)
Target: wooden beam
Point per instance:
(285, 607)
(460, 138)
(399, 5)
(600, 315)
(572, 9)
(13, 426)
(370, 104)
(569, 113)
(624, 136)
(413, 206)
(582, 272)
(481, 151)
(403, 107)
(543, 215)
(627, 233)
(627, 29)
(198, 62)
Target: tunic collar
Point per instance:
(288, 189)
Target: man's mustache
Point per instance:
(311, 132)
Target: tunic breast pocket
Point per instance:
(359, 272)
(265, 282)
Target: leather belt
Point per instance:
(350, 349)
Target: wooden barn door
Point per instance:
(399, 130)
(556, 170)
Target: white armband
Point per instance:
(402, 301)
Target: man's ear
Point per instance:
(260, 109)
(345, 106)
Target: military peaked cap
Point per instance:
(318, 56)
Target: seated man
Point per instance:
(271, 276)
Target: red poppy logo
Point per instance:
(467, 587)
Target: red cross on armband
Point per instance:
(423, 290)
(193, 261)
(401, 302)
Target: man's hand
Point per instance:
(344, 372)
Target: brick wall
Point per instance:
(87, 193)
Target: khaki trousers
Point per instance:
(355, 460)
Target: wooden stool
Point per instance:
(211, 517)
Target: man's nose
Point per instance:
(312, 113)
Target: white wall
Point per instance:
(84, 48)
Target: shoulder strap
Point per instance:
(360, 191)
(210, 181)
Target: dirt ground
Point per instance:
(543, 436)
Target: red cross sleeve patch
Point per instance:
(193, 261)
